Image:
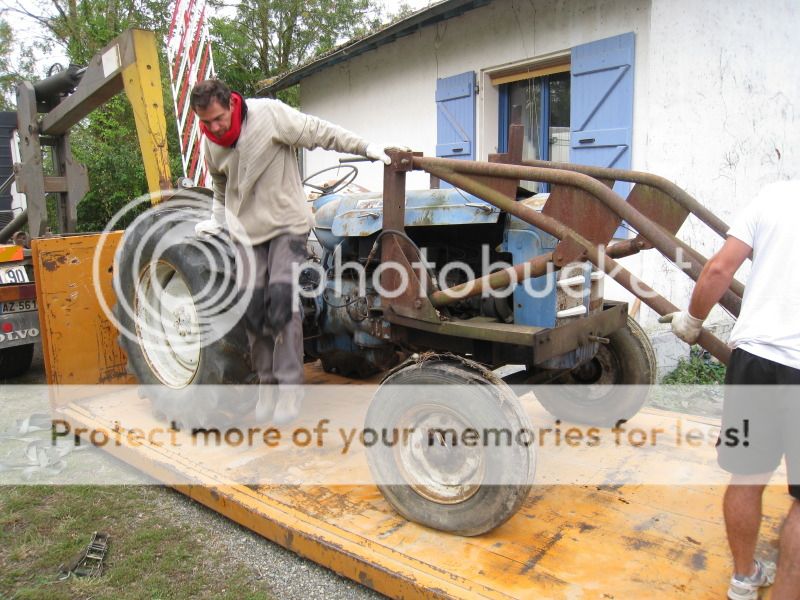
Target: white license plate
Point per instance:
(17, 306)
(13, 275)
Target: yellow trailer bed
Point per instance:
(568, 541)
(605, 540)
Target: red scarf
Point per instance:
(228, 138)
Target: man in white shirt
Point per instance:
(766, 342)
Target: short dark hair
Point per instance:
(205, 92)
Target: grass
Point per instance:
(699, 369)
(149, 556)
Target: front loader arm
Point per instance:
(130, 63)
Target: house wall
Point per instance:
(387, 95)
(724, 107)
(716, 99)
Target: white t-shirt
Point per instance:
(769, 323)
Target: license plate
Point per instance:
(17, 306)
(13, 275)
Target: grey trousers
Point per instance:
(277, 356)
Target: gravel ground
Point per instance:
(284, 573)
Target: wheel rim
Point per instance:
(603, 369)
(593, 383)
(432, 466)
(167, 325)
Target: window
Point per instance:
(542, 105)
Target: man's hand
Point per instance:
(214, 225)
(207, 228)
(684, 325)
(375, 152)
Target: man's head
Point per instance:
(211, 100)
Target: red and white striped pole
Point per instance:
(190, 60)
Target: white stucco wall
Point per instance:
(387, 95)
(716, 98)
(724, 108)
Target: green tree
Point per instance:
(16, 62)
(266, 38)
(82, 27)
(106, 141)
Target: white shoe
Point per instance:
(747, 588)
(265, 407)
(287, 408)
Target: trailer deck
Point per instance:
(568, 541)
(607, 540)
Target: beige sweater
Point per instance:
(258, 180)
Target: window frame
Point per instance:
(503, 83)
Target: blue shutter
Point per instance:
(601, 105)
(455, 116)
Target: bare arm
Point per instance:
(716, 276)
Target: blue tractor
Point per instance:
(455, 293)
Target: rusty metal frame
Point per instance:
(472, 177)
(679, 195)
(676, 205)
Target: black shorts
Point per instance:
(760, 424)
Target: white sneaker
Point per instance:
(747, 588)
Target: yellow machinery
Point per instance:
(86, 349)
(604, 541)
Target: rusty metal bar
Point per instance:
(665, 185)
(626, 248)
(394, 193)
(622, 276)
(665, 243)
(493, 281)
(536, 267)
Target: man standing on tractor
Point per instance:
(766, 342)
(250, 152)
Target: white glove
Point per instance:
(214, 225)
(376, 152)
(684, 325)
(207, 228)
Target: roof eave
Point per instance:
(414, 22)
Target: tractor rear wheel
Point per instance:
(610, 387)
(441, 472)
(167, 282)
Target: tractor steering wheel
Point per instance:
(337, 185)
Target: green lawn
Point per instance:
(151, 555)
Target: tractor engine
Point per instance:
(460, 237)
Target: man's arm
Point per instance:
(218, 183)
(217, 221)
(714, 279)
(307, 131)
(717, 276)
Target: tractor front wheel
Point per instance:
(183, 343)
(454, 447)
